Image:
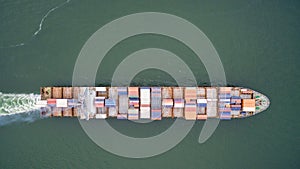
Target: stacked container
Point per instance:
(178, 102)
(72, 104)
(155, 103)
(145, 103)
(201, 103)
(76, 92)
(224, 103)
(123, 103)
(57, 111)
(62, 104)
(113, 102)
(246, 93)
(67, 93)
(67, 112)
(235, 91)
(57, 92)
(51, 103)
(167, 102)
(100, 104)
(134, 103)
(211, 97)
(235, 105)
(190, 95)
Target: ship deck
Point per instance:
(155, 103)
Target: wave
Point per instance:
(18, 108)
(28, 117)
(17, 103)
(40, 25)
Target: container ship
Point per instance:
(153, 103)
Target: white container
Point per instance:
(101, 89)
(145, 112)
(101, 116)
(61, 102)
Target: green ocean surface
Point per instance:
(258, 44)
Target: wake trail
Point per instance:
(27, 117)
(40, 25)
(45, 16)
(18, 108)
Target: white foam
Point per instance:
(17, 103)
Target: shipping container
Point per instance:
(101, 116)
(61, 102)
(167, 112)
(123, 104)
(211, 109)
(155, 98)
(246, 96)
(201, 93)
(133, 92)
(99, 102)
(112, 111)
(76, 92)
(225, 115)
(123, 100)
(177, 92)
(155, 114)
(211, 93)
(201, 117)
(51, 102)
(72, 102)
(145, 96)
(190, 110)
(57, 111)
(57, 92)
(145, 112)
(167, 103)
(101, 110)
(133, 114)
(67, 112)
(110, 103)
(101, 91)
(235, 92)
(235, 112)
(167, 92)
(67, 93)
(178, 112)
(122, 116)
(201, 110)
(190, 93)
(179, 103)
(113, 94)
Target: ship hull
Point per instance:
(154, 103)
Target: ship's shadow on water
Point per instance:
(27, 117)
